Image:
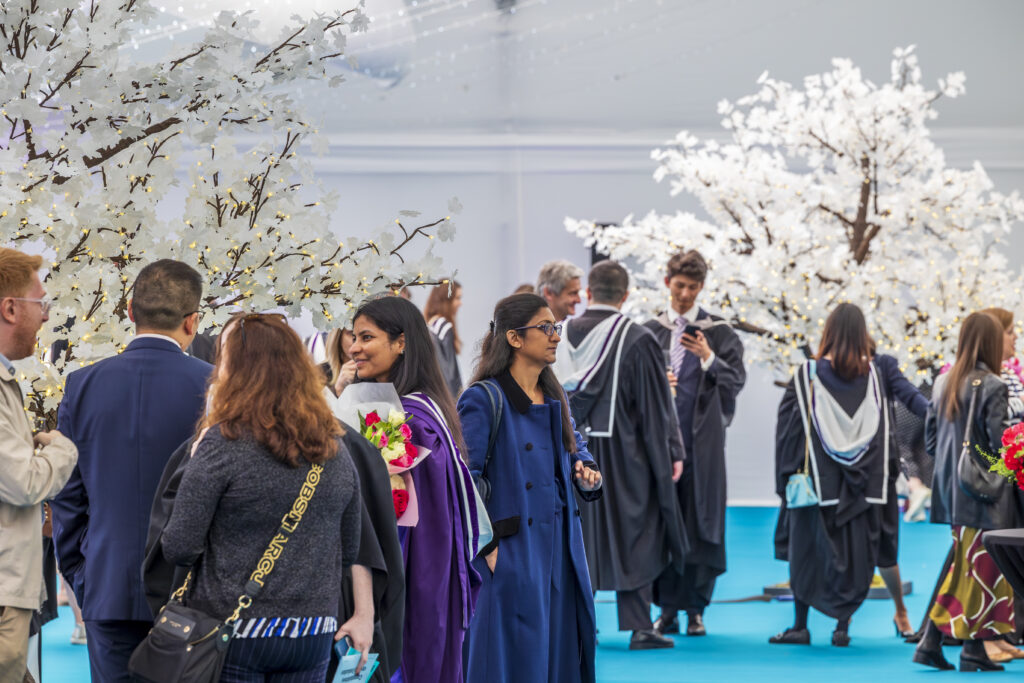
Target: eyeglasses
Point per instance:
(550, 329)
(44, 303)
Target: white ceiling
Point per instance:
(623, 66)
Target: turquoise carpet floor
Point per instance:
(737, 648)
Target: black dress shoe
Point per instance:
(695, 625)
(932, 658)
(841, 638)
(792, 636)
(663, 626)
(973, 663)
(649, 640)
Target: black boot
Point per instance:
(974, 658)
(929, 650)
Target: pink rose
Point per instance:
(411, 450)
(402, 461)
(383, 440)
(405, 431)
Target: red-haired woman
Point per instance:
(443, 304)
(268, 434)
(835, 427)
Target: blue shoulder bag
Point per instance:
(800, 491)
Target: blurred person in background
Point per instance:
(443, 305)
(560, 283)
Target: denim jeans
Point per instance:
(278, 659)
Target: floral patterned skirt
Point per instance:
(974, 601)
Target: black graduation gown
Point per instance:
(635, 530)
(832, 549)
(379, 549)
(702, 489)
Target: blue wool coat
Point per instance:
(510, 637)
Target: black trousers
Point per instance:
(111, 644)
(634, 609)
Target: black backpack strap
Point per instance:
(497, 400)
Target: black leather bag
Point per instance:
(186, 645)
(183, 645)
(974, 476)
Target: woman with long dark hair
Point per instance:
(443, 304)
(535, 618)
(392, 344)
(269, 434)
(974, 603)
(834, 432)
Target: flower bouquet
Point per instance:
(365, 405)
(1010, 461)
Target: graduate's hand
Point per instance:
(697, 345)
(346, 376)
(673, 381)
(677, 470)
(492, 559)
(586, 478)
(359, 629)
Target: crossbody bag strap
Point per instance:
(289, 523)
(970, 417)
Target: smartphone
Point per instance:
(691, 330)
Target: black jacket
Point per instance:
(944, 441)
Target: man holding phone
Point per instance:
(706, 368)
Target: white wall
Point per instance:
(516, 192)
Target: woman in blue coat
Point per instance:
(535, 614)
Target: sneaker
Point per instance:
(78, 636)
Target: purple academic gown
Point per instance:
(441, 585)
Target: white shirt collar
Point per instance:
(601, 307)
(674, 315)
(153, 335)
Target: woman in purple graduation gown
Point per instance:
(392, 344)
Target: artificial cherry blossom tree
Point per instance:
(828, 193)
(93, 143)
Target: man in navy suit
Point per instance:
(127, 414)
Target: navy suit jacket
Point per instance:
(126, 414)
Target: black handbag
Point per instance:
(188, 645)
(974, 477)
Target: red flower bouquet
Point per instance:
(1010, 461)
(377, 409)
(392, 438)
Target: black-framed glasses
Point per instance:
(550, 329)
(44, 303)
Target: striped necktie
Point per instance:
(678, 351)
